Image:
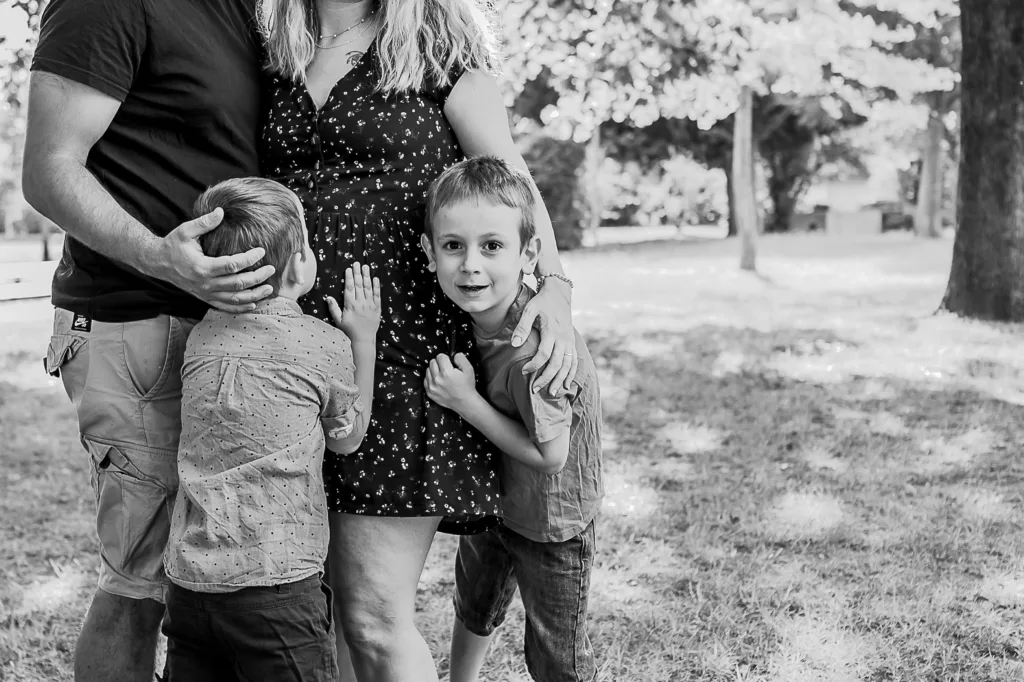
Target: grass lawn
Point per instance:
(809, 475)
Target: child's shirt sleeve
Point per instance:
(544, 416)
(343, 401)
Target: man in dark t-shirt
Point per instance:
(135, 107)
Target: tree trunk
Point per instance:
(987, 276)
(743, 179)
(929, 193)
(733, 230)
(593, 156)
(45, 231)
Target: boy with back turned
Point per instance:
(263, 392)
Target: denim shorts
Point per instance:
(554, 582)
(125, 382)
(283, 633)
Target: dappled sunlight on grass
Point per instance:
(52, 594)
(804, 515)
(625, 495)
(1004, 589)
(820, 649)
(985, 505)
(808, 476)
(820, 457)
(728, 363)
(943, 455)
(691, 439)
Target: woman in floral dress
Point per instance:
(369, 102)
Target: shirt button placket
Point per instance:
(318, 164)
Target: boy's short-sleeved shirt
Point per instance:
(259, 391)
(187, 74)
(545, 507)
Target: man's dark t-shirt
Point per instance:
(187, 75)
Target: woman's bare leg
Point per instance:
(375, 568)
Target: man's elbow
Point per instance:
(32, 187)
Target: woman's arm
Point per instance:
(476, 112)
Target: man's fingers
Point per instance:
(229, 265)
(246, 297)
(193, 229)
(240, 282)
(231, 308)
(376, 291)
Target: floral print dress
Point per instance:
(361, 166)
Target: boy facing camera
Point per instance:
(481, 240)
(263, 392)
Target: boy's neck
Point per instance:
(490, 322)
(292, 293)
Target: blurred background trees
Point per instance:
(631, 113)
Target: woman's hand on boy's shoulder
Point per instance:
(450, 382)
(556, 355)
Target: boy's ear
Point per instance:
(428, 249)
(294, 273)
(531, 253)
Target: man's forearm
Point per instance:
(66, 192)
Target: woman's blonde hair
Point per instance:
(420, 44)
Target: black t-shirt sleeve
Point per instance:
(98, 43)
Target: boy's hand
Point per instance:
(450, 385)
(361, 315)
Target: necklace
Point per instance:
(322, 37)
(347, 42)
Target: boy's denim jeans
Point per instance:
(554, 581)
(283, 633)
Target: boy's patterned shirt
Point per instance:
(545, 507)
(259, 390)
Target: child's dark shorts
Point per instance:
(283, 633)
(554, 582)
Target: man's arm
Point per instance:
(65, 120)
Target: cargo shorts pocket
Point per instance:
(61, 350)
(135, 491)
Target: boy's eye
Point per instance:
(492, 246)
(451, 246)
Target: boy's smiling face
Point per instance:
(479, 260)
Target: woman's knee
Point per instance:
(373, 628)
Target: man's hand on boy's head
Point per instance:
(220, 281)
(360, 317)
(556, 353)
(450, 385)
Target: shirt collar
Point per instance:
(277, 305)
